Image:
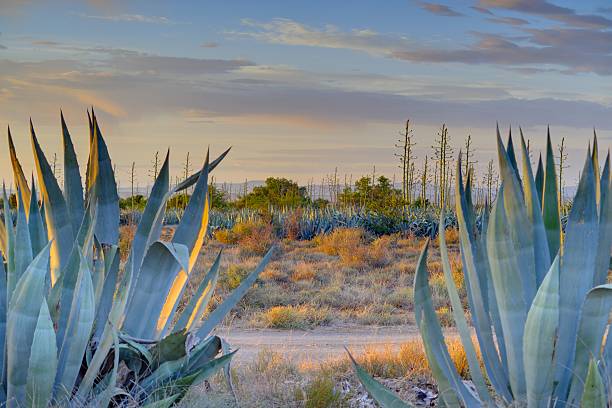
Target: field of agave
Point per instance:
(538, 295)
(81, 327)
(310, 222)
(77, 327)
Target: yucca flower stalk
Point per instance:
(538, 295)
(79, 328)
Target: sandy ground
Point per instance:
(314, 345)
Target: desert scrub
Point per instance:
(233, 277)
(304, 272)
(445, 316)
(294, 317)
(355, 247)
(253, 237)
(126, 236)
(321, 392)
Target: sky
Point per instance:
(298, 88)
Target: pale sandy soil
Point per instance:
(315, 345)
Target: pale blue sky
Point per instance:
(299, 88)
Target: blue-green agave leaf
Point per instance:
(579, 254)
(450, 387)
(385, 397)
(540, 338)
(507, 281)
(550, 201)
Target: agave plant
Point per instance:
(78, 327)
(538, 296)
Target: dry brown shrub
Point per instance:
(303, 272)
(126, 236)
(292, 224)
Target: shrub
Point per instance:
(303, 272)
(321, 393)
(295, 317)
(233, 277)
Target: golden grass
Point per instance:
(252, 237)
(353, 247)
(294, 317)
(304, 272)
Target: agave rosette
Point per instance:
(72, 318)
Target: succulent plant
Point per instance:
(78, 327)
(538, 296)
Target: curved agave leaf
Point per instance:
(22, 318)
(191, 180)
(73, 188)
(78, 331)
(104, 306)
(593, 322)
(202, 353)
(23, 245)
(604, 243)
(460, 320)
(594, 390)
(550, 201)
(149, 227)
(168, 383)
(43, 361)
(512, 155)
(159, 268)
(481, 294)
(63, 292)
(595, 163)
(539, 178)
(10, 243)
(507, 281)
(579, 255)
(534, 212)
(59, 224)
(104, 398)
(196, 307)
(190, 232)
(217, 315)
(381, 394)
(3, 317)
(540, 338)
(519, 228)
(450, 386)
(103, 189)
(115, 319)
(20, 180)
(38, 235)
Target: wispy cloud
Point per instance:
(513, 21)
(568, 50)
(286, 31)
(550, 11)
(439, 9)
(130, 18)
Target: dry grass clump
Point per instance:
(126, 236)
(304, 272)
(275, 274)
(252, 237)
(409, 360)
(445, 316)
(321, 392)
(233, 277)
(294, 317)
(354, 248)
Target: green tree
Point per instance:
(277, 192)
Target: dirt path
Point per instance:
(314, 345)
